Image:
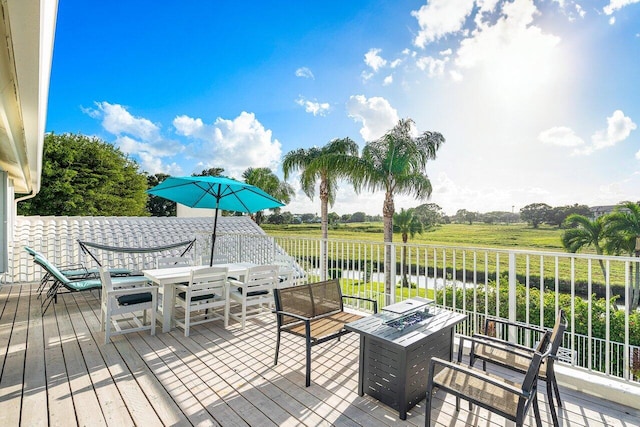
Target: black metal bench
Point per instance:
(314, 311)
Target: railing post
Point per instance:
(392, 272)
(323, 259)
(512, 295)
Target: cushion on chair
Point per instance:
(132, 299)
(254, 293)
(183, 295)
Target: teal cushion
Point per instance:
(82, 285)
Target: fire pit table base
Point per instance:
(394, 364)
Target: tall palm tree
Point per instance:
(265, 179)
(623, 237)
(396, 163)
(585, 233)
(408, 225)
(328, 164)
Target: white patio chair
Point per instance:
(255, 293)
(289, 274)
(207, 290)
(220, 259)
(170, 262)
(173, 261)
(126, 299)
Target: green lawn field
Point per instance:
(514, 236)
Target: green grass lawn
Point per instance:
(513, 236)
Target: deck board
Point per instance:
(56, 370)
(34, 398)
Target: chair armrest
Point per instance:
(515, 324)
(515, 349)
(375, 303)
(476, 373)
(297, 316)
(497, 341)
(235, 282)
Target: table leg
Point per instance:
(361, 367)
(167, 306)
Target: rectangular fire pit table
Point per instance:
(395, 354)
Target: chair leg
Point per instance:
(244, 315)
(308, 381)
(536, 412)
(153, 320)
(275, 359)
(552, 378)
(107, 325)
(187, 320)
(552, 408)
(427, 410)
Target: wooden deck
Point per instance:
(55, 370)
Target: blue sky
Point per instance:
(539, 101)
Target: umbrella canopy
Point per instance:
(214, 192)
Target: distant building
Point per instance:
(598, 211)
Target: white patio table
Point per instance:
(167, 278)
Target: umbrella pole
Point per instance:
(213, 235)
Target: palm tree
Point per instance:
(585, 233)
(409, 225)
(328, 164)
(265, 179)
(623, 233)
(396, 163)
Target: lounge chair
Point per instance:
(59, 281)
(73, 271)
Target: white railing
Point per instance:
(603, 335)
(595, 291)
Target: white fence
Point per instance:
(526, 286)
(596, 291)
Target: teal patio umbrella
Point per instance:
(215, 192)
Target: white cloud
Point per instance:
(638, 155)
(395, 63)
(366, 76)
(137, 136)
(456, 75)
(515, 56)
(618, 129)
(187, 126)
(313, 107)
(118, 121)
(234, 144)
(373, 60)
(434, 67)
(617, 5)
(153, 165)
(304, 72)
(561, 136)
(439, 18)
(388, 80)
(239, 144)
(376, 115)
